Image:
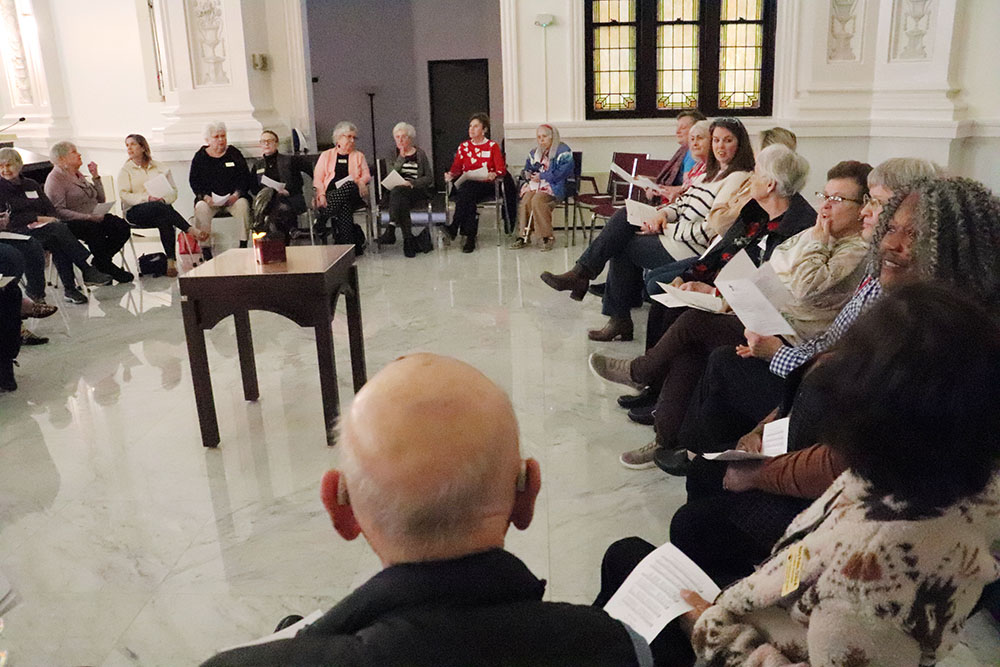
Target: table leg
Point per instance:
(244, 343)
(327, 371)
(200, 376)
(355, 333)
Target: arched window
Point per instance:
(650, 58)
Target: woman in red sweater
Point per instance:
(472, 155)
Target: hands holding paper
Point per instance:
(698, 604)
(696, 286)
(655, 226)
(762, 347)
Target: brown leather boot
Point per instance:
(575, 281)
(616, 328)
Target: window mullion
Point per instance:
(708, 62)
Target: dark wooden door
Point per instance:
(459, 88)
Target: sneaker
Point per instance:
(470, 244)
(548, 244)
(518, 244)
(388, 236)
(94, 278)
(30, 338)
(73, 295)
(613, 370)
(640, 459)
(7, 382)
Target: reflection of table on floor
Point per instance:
(304, 289)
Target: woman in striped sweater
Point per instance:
(683, 231)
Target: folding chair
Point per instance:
(605, 205)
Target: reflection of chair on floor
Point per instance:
(604, 205)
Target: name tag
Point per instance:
(261, 170)
(484, 154)
(31, 194)
(230, 164)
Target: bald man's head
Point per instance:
(430, 458)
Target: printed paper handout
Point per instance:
(393, 180)
(651, 595)
(639, 213)
(219, 200)
(271, 183)
(480, 174)
(755, 295)
(638, 181)
(773, 443)
(674, 297)
(345, 179)
(103, 208)
(159, 186)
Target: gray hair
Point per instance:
(343, 127)
(60, 150)
(900, 173)
(212, 128)
(11, 157)
(785, 167)
(402, 125)
(701, 127)
(432, 520)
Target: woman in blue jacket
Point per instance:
(546, 170)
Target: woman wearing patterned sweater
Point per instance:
(477, 153)
(681, 233)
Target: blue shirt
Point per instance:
(688, 163)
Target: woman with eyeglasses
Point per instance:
(287, 203)
(683, 230)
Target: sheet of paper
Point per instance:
(11, 236)
(668, 300)
(480, 174)
(739, 267)
(711, 245)
(159, 186)
(271, 183)
(5, 280)
(345, 179)
(684, 298)
(219, 200)
(637, 180)
(774, 442)
(754, 310)
(393, 180)
(287, 633)
(103, 208)
(770, 285)
(650, 596)
(36, 224)
(639, 213)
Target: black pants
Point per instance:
(733, 395)
(66, 249)
(11, 264)
(401, 201)
(672, 647)
(33, 254)
(467, 196)
(163, 217)
(104, 238)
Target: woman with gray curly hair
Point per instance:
(412, 164)
(220, 169)
(341, 179)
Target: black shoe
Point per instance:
(423, 240)
(206, 253)
(243, 244)
(645, 397)
(388, 237)
(73, 295)
(7, 381)
(30, 338)
(470, 244)
(120, 275)
(642, 415)
(409, 245)
(673, 461)
(94, 277)
(597, 289)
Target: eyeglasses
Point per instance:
(872, 201)
(836, 199)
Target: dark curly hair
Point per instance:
(911, 396)
(957, 223)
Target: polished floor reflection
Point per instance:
(128, 543)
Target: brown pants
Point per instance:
(540, 205)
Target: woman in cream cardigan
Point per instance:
(143, 210)
(683, 230)
(337, 202)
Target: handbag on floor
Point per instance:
(153, 264)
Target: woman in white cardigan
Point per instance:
(679, 235)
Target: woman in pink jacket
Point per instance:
(341, 180)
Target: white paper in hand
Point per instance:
(637, 180)
(271, 183)
(5, 280)
(345, 179)
(393, 180)
(13, 236)
(639, 213)
(219, 200)
(682, 298)
(774, 442)
(651, 595)
(738, 282)
(480, 174)
(287, 633)
(103, 208)
(159, 186)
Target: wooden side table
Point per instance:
(304, 289)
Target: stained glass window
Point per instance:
(614, 53)
(649, 58)
(741, 45)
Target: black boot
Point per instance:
(206, 253)
(470, 244)
(388, 236)
(409, 246)
(7, 382)
(423, 240)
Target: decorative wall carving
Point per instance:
(910, 25)
(208, 43)
(843, 30)
(14, 58)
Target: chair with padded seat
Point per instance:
(604, 205)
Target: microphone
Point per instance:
(19, 120)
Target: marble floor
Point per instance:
(128, 543)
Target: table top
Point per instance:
(302, 260)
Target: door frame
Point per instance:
(430, 89)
